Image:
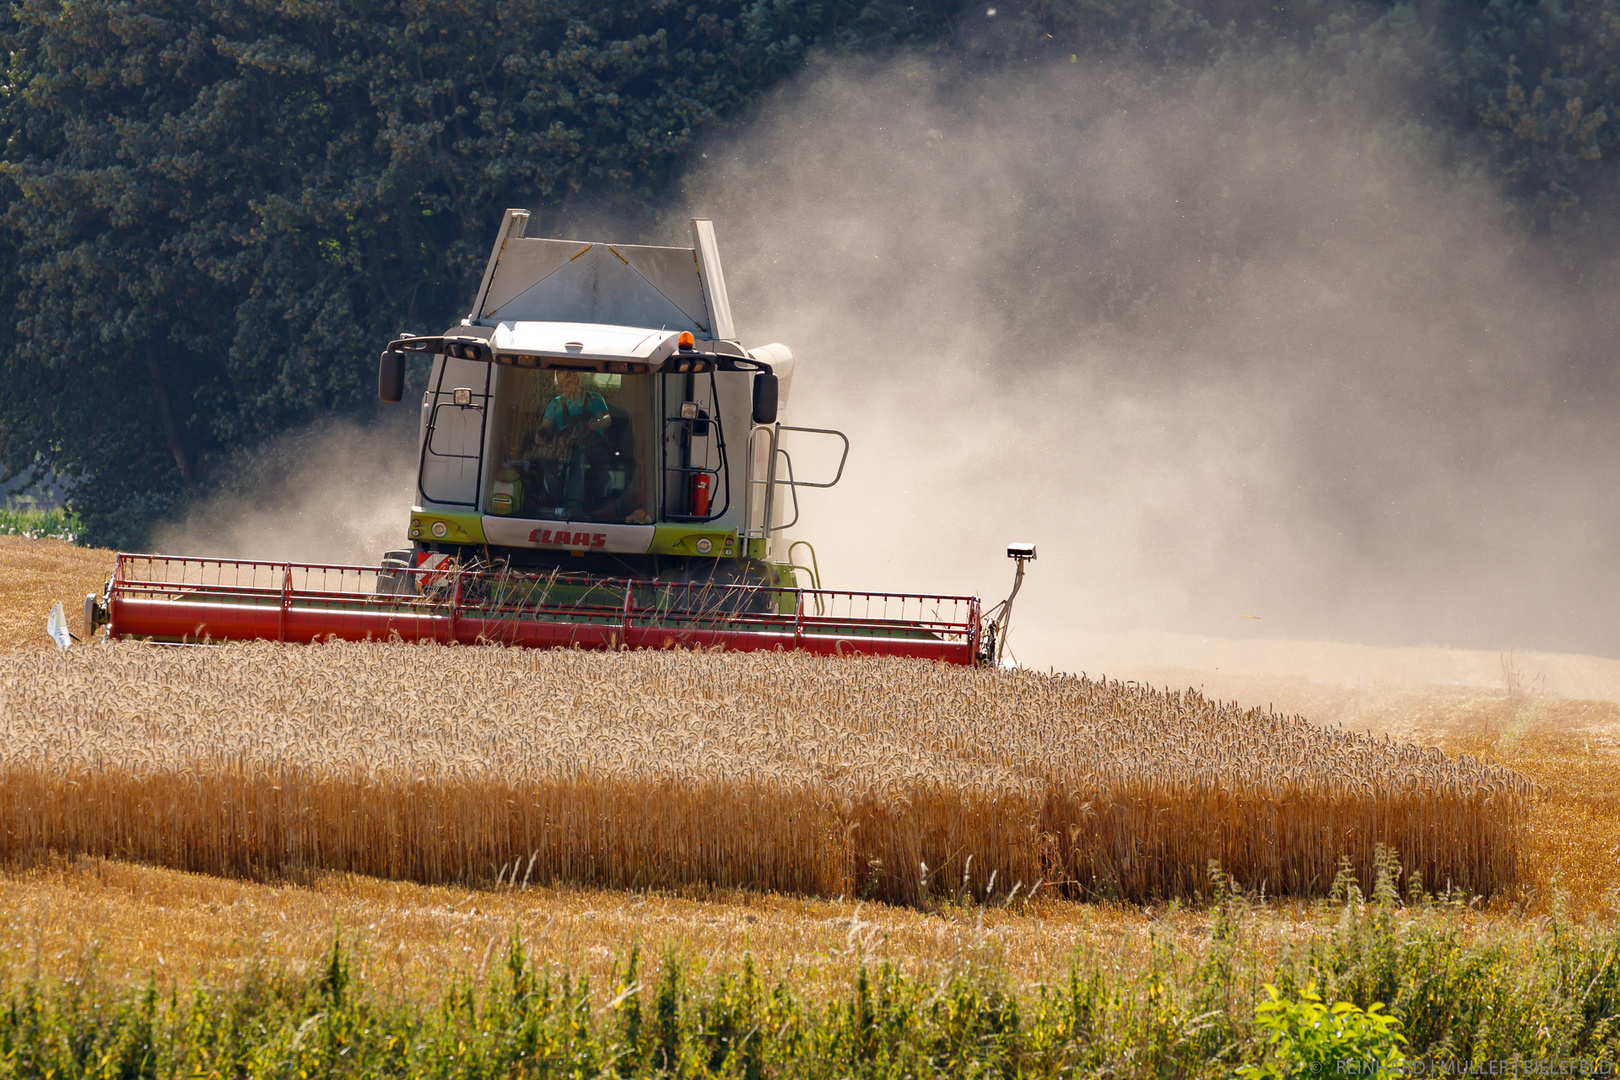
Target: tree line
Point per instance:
(212, 212)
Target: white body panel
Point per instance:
(707, 253)
(585, 341)
(569, 535)
(660, 288)
(780, 357)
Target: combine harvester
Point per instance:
(600, 466)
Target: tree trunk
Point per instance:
(154, 373)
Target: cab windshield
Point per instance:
(572, 446)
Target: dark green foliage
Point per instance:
(1544, 81)
(228, 206)
(1536, 993)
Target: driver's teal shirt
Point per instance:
(562, 408)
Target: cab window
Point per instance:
(572, 446)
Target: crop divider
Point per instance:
(286, 603)
(624, 621)
(455, 600)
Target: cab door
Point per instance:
(455, 417)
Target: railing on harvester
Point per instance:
(182, 599)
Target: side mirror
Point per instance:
(391, 376)
(765, 398)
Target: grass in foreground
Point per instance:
(1537, 994)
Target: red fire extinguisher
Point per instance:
(700, 495)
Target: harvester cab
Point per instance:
(595, 414)
(600, 465)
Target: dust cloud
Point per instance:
(335, 492)
(1248, 369)
(1241, 368)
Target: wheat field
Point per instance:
(889, 779)
(34, 574)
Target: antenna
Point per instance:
(1000, 617)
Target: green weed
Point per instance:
(57, 524)
(1307, 1037)
(1529, 993)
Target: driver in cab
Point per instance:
(572, 441)
(572, 405)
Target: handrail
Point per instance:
(768, 505)
(841, 461)
(793, 489)
(814, 569)
(771, 481)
